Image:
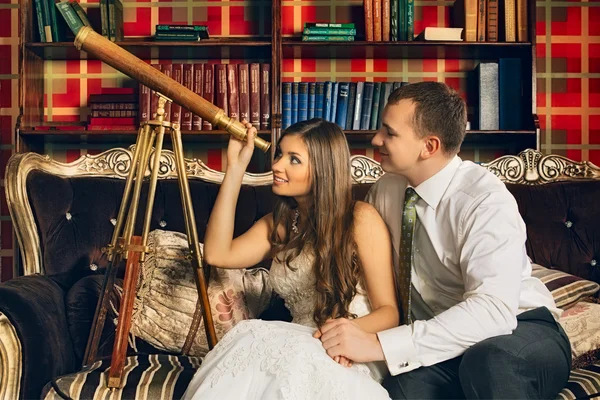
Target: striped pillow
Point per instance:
(152, 377)
(566, 289)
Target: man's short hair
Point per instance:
(439, 111)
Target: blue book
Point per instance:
(312, 99)
(386, 89)
(327, 101)
(334, 98)
(351, 102)
(367, 106)
(294, 102)
(375, 106)
(342, 104)
(286, 104)
(510, 94)
(320, 100)
(358, 106)
(302, 101)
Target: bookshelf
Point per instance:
(274, 49)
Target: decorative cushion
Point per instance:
(582, 325)
(166, 297)
(566, 289)
(152, 377)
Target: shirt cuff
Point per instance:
(399, 350)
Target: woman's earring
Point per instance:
(295, 221)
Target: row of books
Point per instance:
(491, 20)
(482, 20)
(328, 32)
(351, 105)
(51, 24)
(389, 20)
(241, 90)
(113, 109)
(192, 33)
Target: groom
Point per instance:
(478, 325)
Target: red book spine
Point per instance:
(188, 82)
(176, 108)
(265, 96)
(168, 71)
(377, 20)
(368, 6)
(233, 100)
(221, 87)
(385, 20)
(144, 110)
(255, 95)
(198, 89)
(244, 89)
(209, 91)
(153, 96)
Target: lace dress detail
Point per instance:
(279, 360)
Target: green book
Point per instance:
(201, 30)
(81, 13)
(175, 36)
(56, 37)
(40, 20)
(327, 38)
(328, 25)
(70, 16)
(329, 31)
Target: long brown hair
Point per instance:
(328, 228)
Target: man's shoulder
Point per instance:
(473, 180)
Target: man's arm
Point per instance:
(491, 244)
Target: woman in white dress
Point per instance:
(332, 258)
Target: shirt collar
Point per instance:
(432, 190)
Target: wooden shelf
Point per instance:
(147, 48)
(296, 48)
(76, 136)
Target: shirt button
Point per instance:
(403, 365)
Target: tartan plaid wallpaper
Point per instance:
(568, 76)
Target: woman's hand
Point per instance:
(343, 361)
(239, 153)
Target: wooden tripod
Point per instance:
(124, 245)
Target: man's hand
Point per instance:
(342, 337)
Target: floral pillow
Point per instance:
(166, 298)
(582, 325)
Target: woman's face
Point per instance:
(291, 169)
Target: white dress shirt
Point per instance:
(470, 275)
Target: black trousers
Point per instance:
(533, 362)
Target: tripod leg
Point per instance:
(124, 325)
(113, 255)
(193, 242)
(136, 254)
(138, 169)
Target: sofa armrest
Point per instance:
(35, 341)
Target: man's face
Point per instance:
(396, 140)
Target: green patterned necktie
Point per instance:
(409, 219)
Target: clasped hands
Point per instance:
(346, 342)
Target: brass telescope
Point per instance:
(130, 65)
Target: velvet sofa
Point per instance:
(64, 214)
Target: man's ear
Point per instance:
(432, 146)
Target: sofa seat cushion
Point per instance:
(152, 377)
(584, 383)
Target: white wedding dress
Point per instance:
(281, 360)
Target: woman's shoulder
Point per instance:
(365, 213)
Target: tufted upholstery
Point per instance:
(563, 225)
(73, 215)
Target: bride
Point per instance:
(332, 258)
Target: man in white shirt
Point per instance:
(479, 325)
